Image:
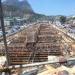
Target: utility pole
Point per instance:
(4, 34)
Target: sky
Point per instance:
(53, 7)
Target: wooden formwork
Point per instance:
(32, 35)
(34, 44)
(48, 47)
(18, 55)
(49, 38)
(73, 49)
(18, 50)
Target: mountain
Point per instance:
(17, 8)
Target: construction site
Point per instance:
(36, 42)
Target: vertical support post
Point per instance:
(3, 31)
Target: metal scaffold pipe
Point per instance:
(3, 31)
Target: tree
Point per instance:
(63, 19)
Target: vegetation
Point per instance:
(62, 19)
(40, 17)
